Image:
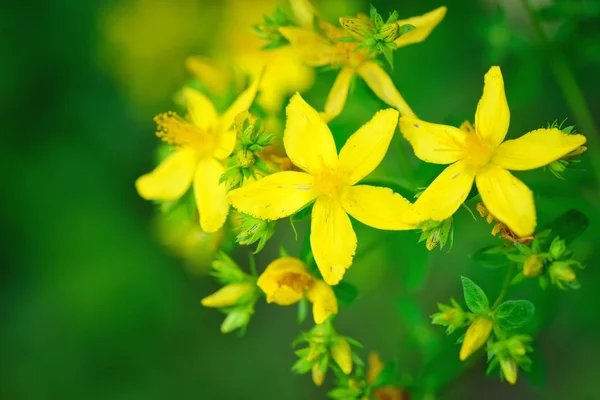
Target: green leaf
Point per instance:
(514, 314)
(491, 256)
(388, 375)
(569, 225)
(475, 297)
(346, 293)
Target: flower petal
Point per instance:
(201, 109)
(338, 94)
(241, 104)
(304, 12)
(536, 149)
(225, 144)
(285, 280)
(423, 24)
(307, 139)
(323, 299)
(275, 196)
(170, 179)
(211, 197)
(365, 149)
(508, 199)
(332, 239)
(381, 208)
(313, 49)
(492, 116)
(433, 143)
(383, 87)
(447, 192)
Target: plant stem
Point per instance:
(571, 90)
(507, 280)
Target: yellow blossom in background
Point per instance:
(477, 334)
(331, 181)
(480, 154)
(324, 48)
(200, 147)
(286, 281)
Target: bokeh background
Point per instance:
(93, 307)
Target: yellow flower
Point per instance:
(331, 181)
(476, 336)
(286, 280)
(322, 48)
(228, 295)
(200, 146)
(479, 154)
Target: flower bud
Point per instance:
(577, 152)
(478, 333)
(318, 375)
(533, 266)
(509, 369)
(228, 295)
(389, 32)
(557, 248)
(561, 271)
(238, 318)
(557, 166)
(342, 355)
(359, 28)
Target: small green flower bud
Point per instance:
(560, 271)
(533, 266)
(558, 166)
(557, 248)
(342, 355)
(509, 369)
(237, 318)
(389, 32)
(318, 375)
(245, 158)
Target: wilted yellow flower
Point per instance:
(342, 355)
(331, 181)
(478, 333)
(228, 295)
(286, 280)
(322, 47)
(200, 147)
(479, 154)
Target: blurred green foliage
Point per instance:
(92, 307)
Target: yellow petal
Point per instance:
(310, 47)
(241, 104)
(285, 280)
(171, 179)
(507, 199)
(304, 12)
(383, 87)
(225, 144)
(201, 109)
(433, 143)
(476, 336)
(323, 299)
(211, 196)
(447, 192)
(423, 24)
(338, 94)
(492, 116)
(380, 208)
(275, 196)
(307, 139)
(365, 149)
(228, 295)
(536, 149)
(332, 239)
(214, 76)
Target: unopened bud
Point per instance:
(318, 375)
(245, 158)
(358, 28)
(561, 271)
(558, 166)
(577, 152)
(342, 355)
(389, 32)
(557, 248)
(533, 266)
(478, 333)
(238, 318)
(509, 369)
(228, 295)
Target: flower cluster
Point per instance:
(241, 175)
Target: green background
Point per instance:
(92, 307)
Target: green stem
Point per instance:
(571, 90)
(507, 280)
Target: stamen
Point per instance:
(174, 130)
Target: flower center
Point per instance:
(174, 130)
(477, 152)
(297, 282)
(329, 183)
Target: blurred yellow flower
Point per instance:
(323, 47)
(477, 334)
(479, 154)
(331, 181)
(200, 147)
(286, 281)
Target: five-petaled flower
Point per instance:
(480, 154)
(200, 147)
(331, 181)
(322, 47)
(286, 281)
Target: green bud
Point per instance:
(232, 178)
(561, 271)
(225, 270)
(577, 152)
(245, 158)
(533, 266)
(557, 248)
(236, 319)
(389, 32)
(254, 230)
